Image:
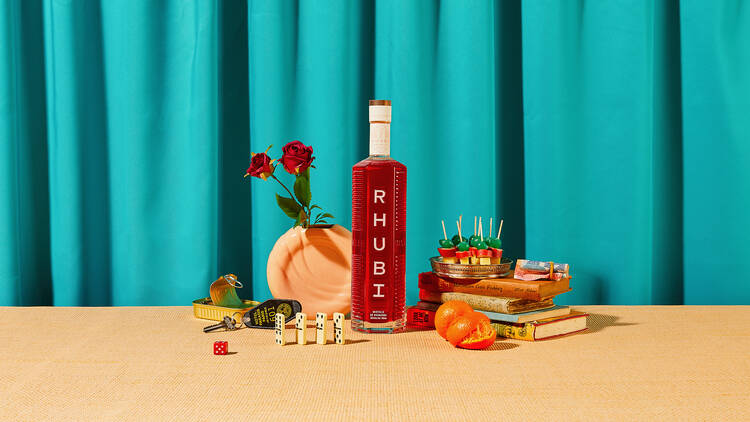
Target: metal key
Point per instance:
(228, 323)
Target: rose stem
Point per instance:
(294, 198)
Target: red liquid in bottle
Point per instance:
(378, 240)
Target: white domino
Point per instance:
(338, 328)
(320, 327)
(300, 323)
(280, 322)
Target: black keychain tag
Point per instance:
(264, 315)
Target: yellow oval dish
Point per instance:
(205, 309)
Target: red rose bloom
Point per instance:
(296, 157)
(260, 166)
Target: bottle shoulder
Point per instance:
(371, 162)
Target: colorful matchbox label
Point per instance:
(419, 317)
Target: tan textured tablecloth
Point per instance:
(634, 363)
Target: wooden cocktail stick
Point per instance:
(475, 225)
(444, 233)
(458, 226)
(490, 232)
(481, 235)
(500, 229)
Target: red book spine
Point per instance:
(429, 295)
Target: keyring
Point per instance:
(237, 321)
(232, 281)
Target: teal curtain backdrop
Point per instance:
(613, 135)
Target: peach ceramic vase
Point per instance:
(313, 266)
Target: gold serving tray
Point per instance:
(470, 272)
(205, 309)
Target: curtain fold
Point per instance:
(602, 137)
(716, 148)
(136, 179)
(24, 202)
(608, 134)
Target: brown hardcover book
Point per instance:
(544, 328)
(503, 305)
(498, 287)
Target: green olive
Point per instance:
(457, 239)
(474, 241)
(481, 245)
(445, 243)
(495, 243)
(463, 246)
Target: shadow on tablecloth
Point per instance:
(501, 344)
(598, 322)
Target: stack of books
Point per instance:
(518, 309)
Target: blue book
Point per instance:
(555, 311)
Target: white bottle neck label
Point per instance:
(380, 113)
(380, 139)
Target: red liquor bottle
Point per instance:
(378, 232)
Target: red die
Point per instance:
(220, 347)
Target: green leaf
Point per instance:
(302, 190)
(301, 217)
(288, 205)
(326, 215)
(321, 222)
(298, 220)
